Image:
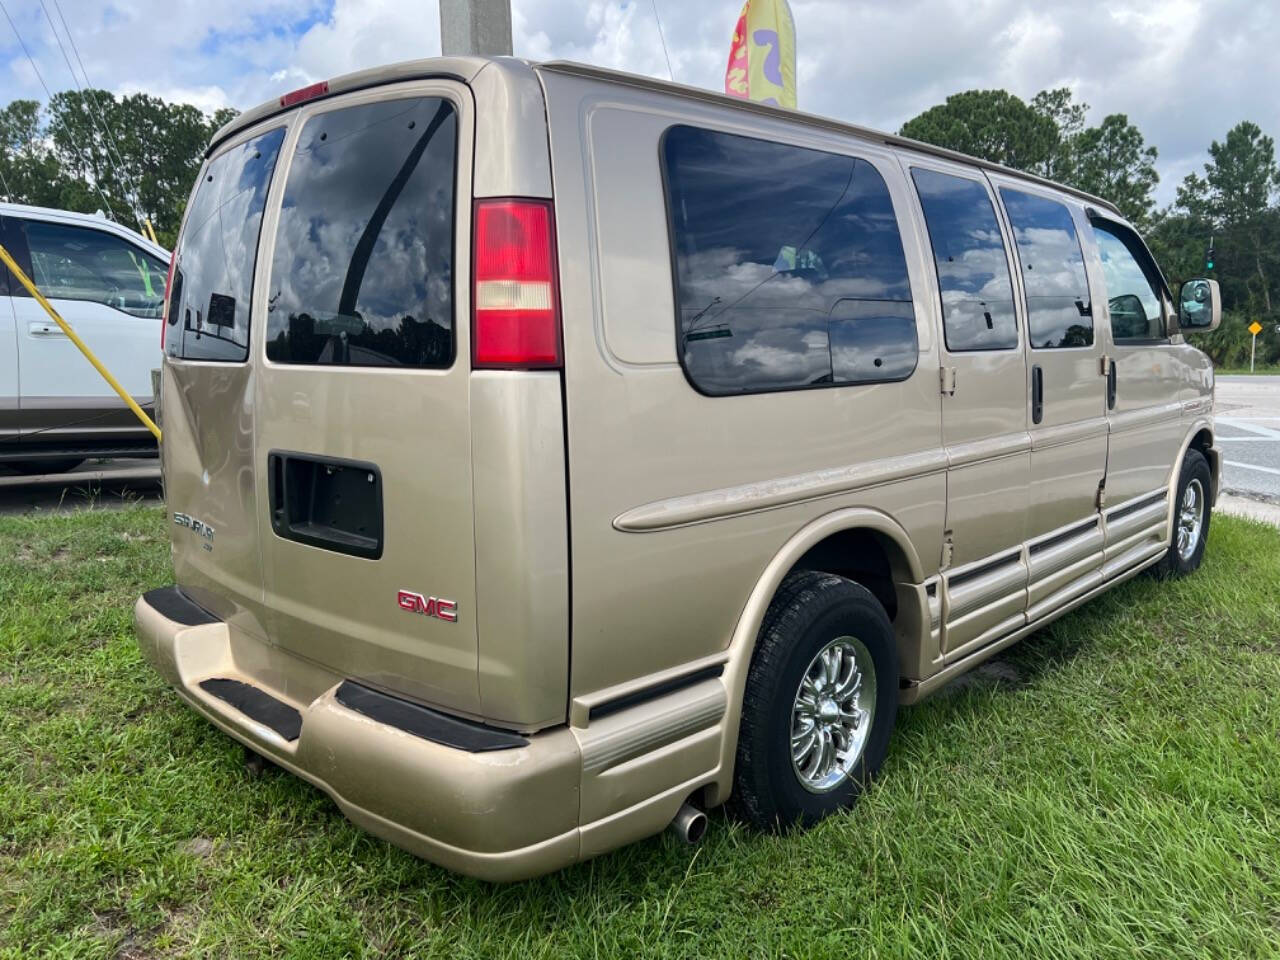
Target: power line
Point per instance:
(31, 60)
(88, 108)
(662, 37)
(93, 99)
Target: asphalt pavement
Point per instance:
(1248, 433)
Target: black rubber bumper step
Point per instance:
(424, 722)
(173, 604)
(257, 705)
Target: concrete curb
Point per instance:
(1250, 509)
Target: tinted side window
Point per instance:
(1132, 295)
(973, 271)
(789, 266)
(1058, 307)
(362, 273)
(14, 240)
(213, 282)
(80, 263)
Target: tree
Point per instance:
(991, 124)
(1069, 119)
(129, 156)
(1233, 202)
(29, 172)
(140, 150)
(1048, 137)
(1113, 161)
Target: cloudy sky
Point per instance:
(1184, 70)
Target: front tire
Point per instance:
(1191, 514)
(820, 702)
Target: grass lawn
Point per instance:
(1111, 788)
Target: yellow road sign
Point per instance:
(1255, 328)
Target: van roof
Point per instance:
(466, 68)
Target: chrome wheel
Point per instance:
(1190, 519)
(831, 715)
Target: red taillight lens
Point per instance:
(515, 297)
(168, 295)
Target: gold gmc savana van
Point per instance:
(553, 451)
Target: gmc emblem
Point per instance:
(446, 610)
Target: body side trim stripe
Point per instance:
(638, 697)
(768, 494)
(1145, 416)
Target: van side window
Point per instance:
(789, 266)
(973, 268)
(217, 253)
(79, 263)
(362, 273)
(1132, 293)
(1059, 313)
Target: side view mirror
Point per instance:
(1199, 306)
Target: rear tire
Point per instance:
(822, 637)
(1191, 514)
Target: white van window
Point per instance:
(1132, 295)
(362, 273)
(80, 263)
(1059, 312)
(217, 252)
(789, 266)
(973, 267)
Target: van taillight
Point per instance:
(303, 94)
(515, 297)
(168, 297)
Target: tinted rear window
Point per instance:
(973, 273)
(789, 266)
(362, 273)
(213, 285)
(1058, 305)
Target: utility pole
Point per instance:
(476, 27)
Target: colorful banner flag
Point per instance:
(762, 59)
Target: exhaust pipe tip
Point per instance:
(690, 824)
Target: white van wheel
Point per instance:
(820, 702)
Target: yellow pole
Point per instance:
(75, 338)
(151, 231)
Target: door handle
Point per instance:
(1111, 385)
(44, 328)
(1037, 394)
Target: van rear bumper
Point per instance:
(500, 813)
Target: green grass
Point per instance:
(1111, 788)
(1258, 371)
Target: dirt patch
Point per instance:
(199, 847)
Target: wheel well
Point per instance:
(1202, 441)
(864, 556)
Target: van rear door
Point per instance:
(362, 398)
(208, 383)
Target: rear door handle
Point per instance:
(1111, 386)
(1037, 394)
(44, 328)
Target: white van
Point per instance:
(108, 283)
(553, 452)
